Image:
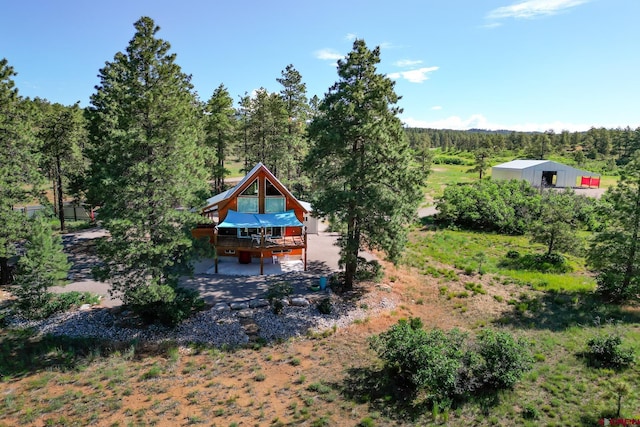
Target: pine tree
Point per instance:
(44, 265)
(360, 161)
(60, 132)
(220, 128)
(615, 251)
(482, 162)
(19, 176)
(294, 95)
(146, 122)
(265, 124)
(556, 226)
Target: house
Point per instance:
(257, 219)
(545, 173)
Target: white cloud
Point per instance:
(533, 9)
(491, 25)
(350, 37)
(479, 121)
(414, 76)
(436, 107)
(328, 55)
(407, 63)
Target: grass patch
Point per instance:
(460, 248)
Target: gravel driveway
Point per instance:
(322, 260)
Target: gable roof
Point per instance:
(521, 164)
(548, 164)
(222, 198)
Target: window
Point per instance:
(248, 199)
(274, 231)
(274, 201)
(251, 190)
(274, 204)
(270, 189)
(246, 233)
(281, 251)
(248, 204)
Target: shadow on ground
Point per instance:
(22, 354)
(382, 393)
(557, 311)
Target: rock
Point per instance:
(245, 314)
(299, 302)
(222, 307)
(257, 303)
(85, 307)
(239, 305)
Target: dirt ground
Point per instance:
(267, 386)
(279, 384)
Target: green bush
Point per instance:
(276, 293)
(325, 306)
(530, 412)
(368, 270)
(611, 286)
(67, 300)
(513, 254)
(545, 263)
(163, 303)
(505, 359)
(451, 160)
(503, 206)
(606, 351)
(448, 367)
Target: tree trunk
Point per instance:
(59, 193)
(628, 274)
(4, 271)
(350, 254)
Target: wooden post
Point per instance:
(261, 262)
(215, 248)
(305, 250)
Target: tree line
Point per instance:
(612, 147)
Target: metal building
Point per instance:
(544, 173)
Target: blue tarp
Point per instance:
(248, 220)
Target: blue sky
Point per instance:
(458, 64)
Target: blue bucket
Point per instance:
(323, 283)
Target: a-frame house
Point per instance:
(258, 218)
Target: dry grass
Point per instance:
(331, 379)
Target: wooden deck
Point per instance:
(257, 244)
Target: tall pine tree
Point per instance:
(146, 167)
(60, 132)
(19, 176)
(220, 133)
(360, 162)
(294, 95)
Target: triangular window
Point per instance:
(251, 190)
(271, 189)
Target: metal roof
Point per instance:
(521, 164)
